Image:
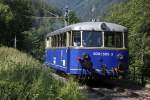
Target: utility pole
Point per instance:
(15, 42)
(66, 16)
(93, 13)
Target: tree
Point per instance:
(136, 16)
(73, 18)
(30, 22)
(5, 13)
(42, 24)
(19, 23)
(6, 16)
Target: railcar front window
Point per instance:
(76, 38)
(92, 39)
(126, 40)
(113, 40)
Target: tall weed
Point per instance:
(23, 78)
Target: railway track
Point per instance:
(110, 89)
(115, 90)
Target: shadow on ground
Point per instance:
(106, 83)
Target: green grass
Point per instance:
(23, 78)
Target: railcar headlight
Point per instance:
(120, 56)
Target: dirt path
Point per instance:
(115, 90)
(111, 90)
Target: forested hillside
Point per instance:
(24, 24)
(135, 14)
(91, 8)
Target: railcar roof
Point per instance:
(91, 26)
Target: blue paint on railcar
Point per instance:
(57, 58)
(66, 59)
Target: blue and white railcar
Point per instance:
(88, 47)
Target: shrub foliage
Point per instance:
(24, 78)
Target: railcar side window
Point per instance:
(113, 39)
(92, 39)
(126, 40)
(63, 41)
(76, 38)
(58, 40)
(48, 42)
(53, 41)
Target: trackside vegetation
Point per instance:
(135, 15)
(23, 78)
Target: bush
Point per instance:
(22, 77)
(72, 90)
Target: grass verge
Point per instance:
(23, 78)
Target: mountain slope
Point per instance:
(85, 9)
